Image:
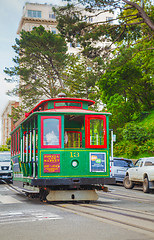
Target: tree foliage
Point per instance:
(39, 63)
(133, 21)
(129, 77)
(135, 133)
(121, 72)
(122, 111)
(8, 143)
(81, 77)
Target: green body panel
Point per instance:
(50, 105)
(67, 155)
(17, 167)
(66, 168)
(85, 105)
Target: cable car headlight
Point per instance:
(75, 163)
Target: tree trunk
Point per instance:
(141, 13)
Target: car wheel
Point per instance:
(146, 185)
(127, 183)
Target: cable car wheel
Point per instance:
(43, 194)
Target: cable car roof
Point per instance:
(62, 99)
(69, 110)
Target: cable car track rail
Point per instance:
(14, 188)
(131, 198)
(127, 218)
(126, 210)
(122, 213)
(123, 219)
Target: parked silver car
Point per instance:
(118, 168)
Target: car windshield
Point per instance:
(137, 164)
(5, 158)
(123, 163)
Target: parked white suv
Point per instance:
(141, 173)
(5, 166)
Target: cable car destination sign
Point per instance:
(51, 163)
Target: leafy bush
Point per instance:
(127, 149)
(136, 139)
(8, 142)
(4, 148)
(131, 149)
(148, 146)
(135, 133)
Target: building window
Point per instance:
(90, 19)
(52, 15)
(53, 31)
(89, 68)
(78, 45)
(34, 14)
(85, 18)
(109, 18)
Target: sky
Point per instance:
(10, 15)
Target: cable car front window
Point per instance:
(96, 132)
(51, 131)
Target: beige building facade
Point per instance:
(35, 14)
(7, 122)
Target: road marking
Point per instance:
(4, 189)
(27, 216)
(107, 200)
(8, 199)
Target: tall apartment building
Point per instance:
(7, 122)
(35, 14)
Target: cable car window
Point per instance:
(68, 104)
(51, 132)
(73, 139)
(95, 131)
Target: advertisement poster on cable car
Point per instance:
(97, 162)
(51, 163)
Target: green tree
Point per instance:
(17, 113)
(135, 20)
(8, 143)
(130, 74)
(122, 111)
(39, 63)
(134, 133)
(81, 76)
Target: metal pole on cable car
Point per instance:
(111, 144)
(34, 149)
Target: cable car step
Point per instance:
(72, 195)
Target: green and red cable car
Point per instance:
(60, 150)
